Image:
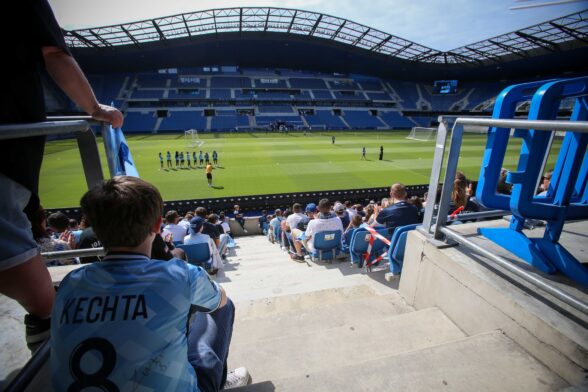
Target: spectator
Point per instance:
(164, 249)
(48, 243)
(350, 209)
(263, 222)
(285, 229)
(197, 237)
(342, 214)
(544, 187)
(158, 296)
(371, 213)
(359, 210)
(224, 221)
(418, 203)
(296, 217)
(274, 224)
(326, 221)
(186, 220)
(58, 223)
(298, 223)
(212, 230)
(23, 274)
(88, 240)
(238, 215)
(503, 187)
(73, 225)
(223, 239)
(400, 213)
(177, 231)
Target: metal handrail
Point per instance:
(67, 254)
(557, 293)
(435, 226)
(538, 125)
(14, 131)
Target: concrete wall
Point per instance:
(478, 300)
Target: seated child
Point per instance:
(124, 323)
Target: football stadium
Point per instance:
(280, 199)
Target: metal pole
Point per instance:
(31, 369)
(480, 215)
(435, 174)
(450, 169)
(66, 254)
(90, 158)
(557, 293)
(538, 125)
(15, 131)
(110, 158)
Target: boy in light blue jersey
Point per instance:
(124, 323)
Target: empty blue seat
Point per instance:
(360, 243)
(397, 246)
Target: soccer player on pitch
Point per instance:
(209, 169)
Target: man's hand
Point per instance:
(108, 114)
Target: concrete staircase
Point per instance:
(316, 327)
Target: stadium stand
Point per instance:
(182, 120)
(230, 82)
(139, 122)
(395, 119)
(324, 119)
(147, 94)
(275, 109)
(307, 83)
(361, 119)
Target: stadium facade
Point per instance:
(246, 68)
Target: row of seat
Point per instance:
(365, 246)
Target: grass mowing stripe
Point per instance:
(267, 163)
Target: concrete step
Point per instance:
(269, 307)
(485, 362)
(317, 316)
(351, 344)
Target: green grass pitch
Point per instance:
(260, 163)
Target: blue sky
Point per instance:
(439, 24)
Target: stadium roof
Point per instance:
(565, 33)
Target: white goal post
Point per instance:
(422, 134)
(192, 139)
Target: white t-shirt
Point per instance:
(317, 225)
(178, 232)
(199, 238)
(294, 219)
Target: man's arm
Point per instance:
(65, 71)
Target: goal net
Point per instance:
(192, 139)
(422, 134)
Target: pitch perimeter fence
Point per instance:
(256, 203)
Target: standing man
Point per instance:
(23, 273)
(160, 161)
(194, 157)
(363, 153)
(215, 157)
(188, 158)
(381, 152)
(201, 159)
(209, 169)
(206, 158)
(333, 139)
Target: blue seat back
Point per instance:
(198, 254)
(327, 244)
(360, 243)
(346, 241)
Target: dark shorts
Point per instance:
(209, 176)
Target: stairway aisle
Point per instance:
(331, 327)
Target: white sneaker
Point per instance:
(245, 230)
(237, 378)
(390, 277)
